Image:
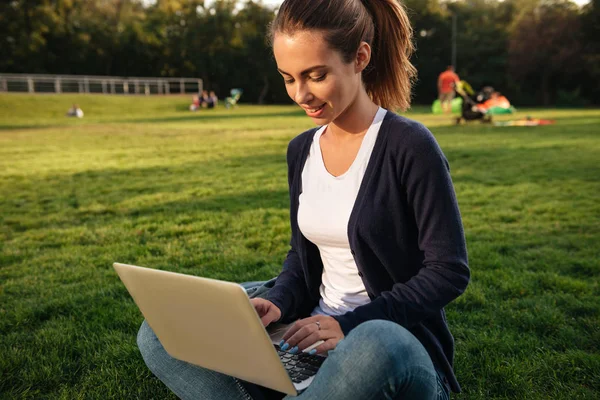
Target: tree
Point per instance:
(590, 26)
(526, 48)
(252, 26)
(545, 48)
(432, 30)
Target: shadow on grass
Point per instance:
(234, 203)
(105, 194)
(205, 116)
(513, 166)
(493, 165)
(99, 198)
(29, 127)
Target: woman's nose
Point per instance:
(303, 95)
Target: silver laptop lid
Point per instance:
(208, 323)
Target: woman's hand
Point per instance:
(306, 332)
(267, 311)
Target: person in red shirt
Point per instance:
(446, 83)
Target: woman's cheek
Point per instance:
(290, 92)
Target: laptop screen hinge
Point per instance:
(242, 390)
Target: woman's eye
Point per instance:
(288, 81)
(319, 78)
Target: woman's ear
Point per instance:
(363, 57)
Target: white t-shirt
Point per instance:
(325, 205)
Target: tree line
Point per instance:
(537, 52)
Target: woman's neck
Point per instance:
(355, 120)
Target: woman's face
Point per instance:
(315, 75)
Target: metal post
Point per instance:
(182, 87)
(4, 85)
(112, 86)
(103, 87)
(137, 86)
(57, 88)
(79, 86)
(454, 40)
(146, 88)
(30, 86)
(159, 83)
(200, 86)
(125, 87)
(167, 88)
(87, 85)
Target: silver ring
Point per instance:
(318, 325)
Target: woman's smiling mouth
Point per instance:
(315, 112)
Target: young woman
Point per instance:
(377, 246)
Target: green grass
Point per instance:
(143, 181)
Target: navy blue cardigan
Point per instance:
(405, 234)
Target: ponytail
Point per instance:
(383, 24)
(390, 74)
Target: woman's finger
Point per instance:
(266, 310)
(268, 317)
(313, 338)
(297, 326)
(301, 334)
(328, 345)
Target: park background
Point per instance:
(142, 180)
(536, 52)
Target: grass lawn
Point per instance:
(143, 181)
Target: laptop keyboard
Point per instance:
(300, 366)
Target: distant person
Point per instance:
(485, 94)
(204, 99)
(496, 100)
(234, 98)
(195, 103)
(213, 100)
(446, 84)
(75, 111)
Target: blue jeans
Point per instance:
(377, 360)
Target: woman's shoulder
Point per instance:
(402, 129)
(407, 135)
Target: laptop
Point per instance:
(212, 324)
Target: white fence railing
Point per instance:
(35, 83)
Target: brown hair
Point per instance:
(383, 24)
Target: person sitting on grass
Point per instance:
(75, 111)
(204, 99)
(213, 100)
(496, 100)
(377, 243)
(195, 103)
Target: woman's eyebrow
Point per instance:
(305, 72)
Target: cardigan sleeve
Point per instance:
(290, 290)
(444, 273)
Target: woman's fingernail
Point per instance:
(294, 350)
(285, 346)
(281, 343)
(313, 352)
